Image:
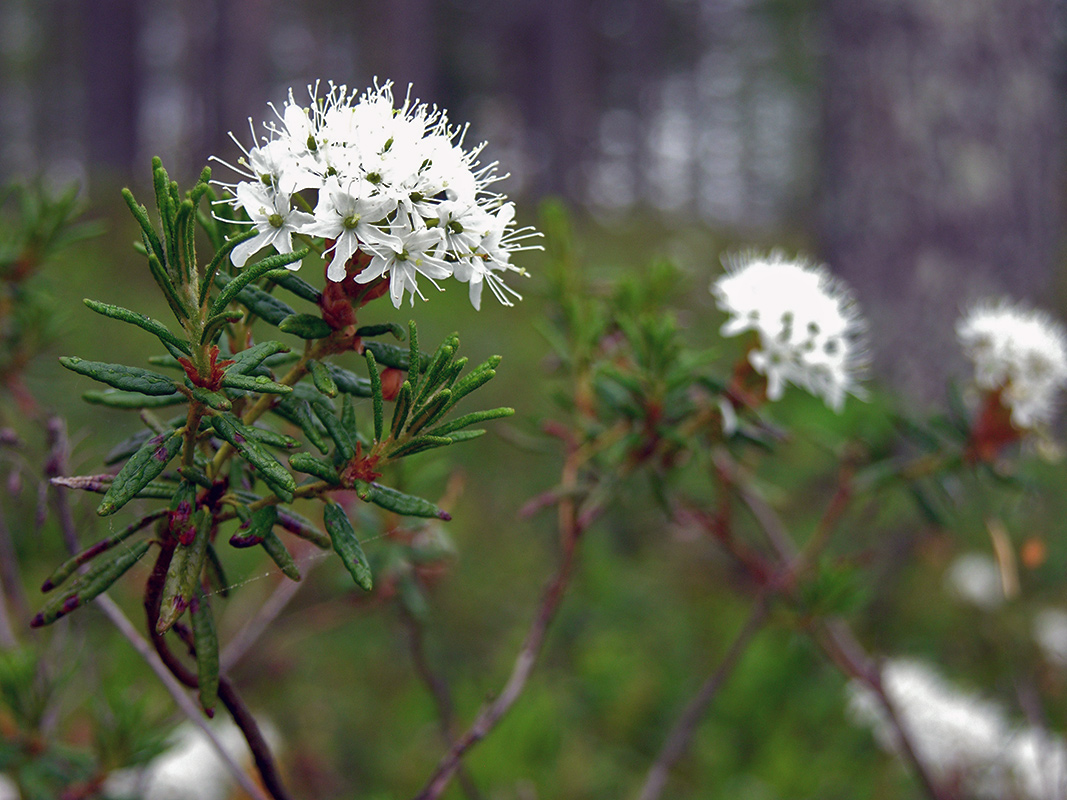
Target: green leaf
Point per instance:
(140, 213)
(131, 400)
(320, 468)
(417, 445)
(265, 306)
(154, 327)
(471, 419)
(220, 254)
(406, 505)
(250, 358)
(68, 567)
(244, 442)
(273, 438)
(143, 467)
(376, 393)
(322, 379)
(297, 411)
(280, 555)
(306, 326)
(433, 377)
(254, 383)
(378, 330)
(215, 400)
(297, 286)
(304, 528)
(343, 536)
(349, 382)
(392, 356)
(183, 575)
(400, 411)
(345, 446)
(128, 379)
(216, 323)
(166, 285)
(252, 273)
(93, 583)
(430, 412)
(206, 642)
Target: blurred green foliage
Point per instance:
(652, 608)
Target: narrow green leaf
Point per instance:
(441, 359)
(244, 442)
(304, 528)
(471, 419)
(320, 468)
(378, 330)
(265, 306)
(251, 273)
(349, 382)
(166, 285)
(140, 213)
(400, 411)
(306, 326)
(428, 414)
(128, 379)
(250, 358)
(414, 356)
(131, 400)
(417, 445)
(220, 255)
(215, 400)
(280, 555)
(154, 327)
(390, 355)
(297, 411)
(254, 383)
(206, 642)
(322, 379)
(217, 322)
(298, 286)
(336, 431)
(184, 574)
(68, 567)
(273, 438)
(407, 505)
(343, 536)
(97, 580)
(144, 466)
(376, 393)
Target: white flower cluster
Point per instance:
(810, 330)
(1019, 351)
(963, 740)
(391, 182)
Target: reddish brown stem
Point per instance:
(268, 770)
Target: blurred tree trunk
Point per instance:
(112, 86)
(942, 168)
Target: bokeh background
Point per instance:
(914, 145)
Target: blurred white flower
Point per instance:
(190, 769)
(1050, 633)
(8, 789)
(963, 740)
(975, 579)
(811, 333)
(1020, 352)
(959, 737)
(389, 179)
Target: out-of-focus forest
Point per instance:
(916, 146)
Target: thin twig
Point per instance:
(441, 693)
(682, 733)
(261, 753)
(837, 641)
(490, 715)
(185, 703)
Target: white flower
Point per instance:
(974, 578)
(393, 181)
(959, 737)
(1039, 765)
(272, 216)
(810, 330)
(1050, 632)
(1020, 352)
(412, 254)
